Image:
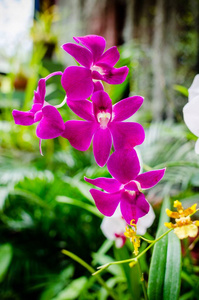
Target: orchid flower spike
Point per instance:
(104, 124)
(191, 110)
(114, 227)
(81, 82)
(125, 188)
(50, 121)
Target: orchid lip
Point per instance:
(103, 118)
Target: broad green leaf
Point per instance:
(132, 274)
(73, 290)
(159, 257)
(5, 259)
(173, 268)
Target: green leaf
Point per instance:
(5, 259)
(173, 268)
(91, 208)
(159, 257)
(73, 290)
(182, 89)
(132, 274)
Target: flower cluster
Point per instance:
(102, 122)
(184, 226)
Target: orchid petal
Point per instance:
(81, 54)
(197, 146)
(79, 134)
(145, 221)
(126, 107)
(98, 86)
(194, 88)
(25, 118)
(109, 74)
(96, 44)
(101, 102)
(82, 108)
(124, 165)
(110, 57)
(126, 135)
(77, 82)
(102, 142)
(51, 125)
(110, 185)
(106, 202)
(151, 178)
(133, 206)
(39, 95)
(190, 112)
(112, 226)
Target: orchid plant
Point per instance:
(127, 212)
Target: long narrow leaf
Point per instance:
(159, 257)
(173, 268)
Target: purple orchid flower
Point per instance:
(50, 121)
(125, 188)
(81, 82)
(104, 123)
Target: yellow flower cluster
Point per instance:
(184, 226)
(131, 233)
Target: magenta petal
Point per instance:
(109, 74)
(151, 178)
(133, 206)
(39, 95)
(110, 57)
(98, 86)
(124, 165)
(127, 107)
(81, 54)
(105, 202)
(96, 44)
(51, 125)
(101, 102)
(126, 135)
(110, 185)
(79, 134)
(82, 108)
(77, 82)
(25, 118)
(102, 142)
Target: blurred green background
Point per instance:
(45, 205)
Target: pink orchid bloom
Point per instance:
(50, 121)
(104, 124)
(81, 82)
(125, 188)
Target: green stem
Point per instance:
(101, 268)
(142, 282)
(91, 270)
(177, 164)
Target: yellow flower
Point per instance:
(131, 233)
(184, 226)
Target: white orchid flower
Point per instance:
(191, 110)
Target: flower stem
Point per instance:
(91, 270)
(101, 268)
(142, 282)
